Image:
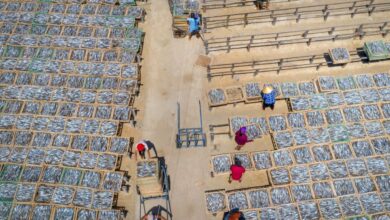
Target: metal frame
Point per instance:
(164, 195)
(190, 137)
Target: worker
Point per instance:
(233, 214)
(261, 4)
(237, 170)
(241, 138)
(193, 25)
(268, 94)
(145, 145)
(153, 217)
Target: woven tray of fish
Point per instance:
(364, 185)
(56, 125)
(289, 89)
(322, 190)
(91, 179)
(238, 200)
(221, 163)
(84, 214)
(318, 101)
(146, 169)
(269, 213)
(35, 156)
(289, 211)
(319, 135)
(108, 128)
(300, 103)
(302, 155)
(327, 83)
(252, 91)
(64, 213)
(362, 148)
(122, 113)
(25, 192)
(343, 187)
(299, 174)
(110, 214)
(322, 153)
(364, 81)
(356, 131)
(41, 212)
(386, 109)
(377, 165)
(342, 151)
(88, 160)
(386, 126)
(7, 191)
(41, 139)
(350, 205)
(280, 176)
(6, 137)
(376, 50)
(280, 196)
(330, 209)
(18, 155)
(309, 210)
(52, 174)
(102, 200)
(31, 174)
(244, 159)
(352, 97)
(337, 169)
(371, 203)
(382, 79)
(119, 145)
(374, 128)
(282, 158)
(10, 172)
(262, 122)
(106, 161)
(71, 177)
(335, 99)
(261, 160)
(21, 211)
(80, 142)
(91, 126)
(99, 144)
(112, 181)
(338, 133)
(4, 153)
(71, 158)
(277, 123)
(319, 172)
(381, 145)
(63, 195)
(307, 88)
(237, 122)
(356, 167)
(258, 198)
(276, 88)
(283, 139)
(339, 55)
(83, 197)
(296, 120)
(383, 183)
(251, 215)
(301, 136)
(384, 94)
(215, 202)
(44, 193)
(352, 114)
(334, 116)
(54, 156)
(370, 95)
(234, 94)
(217, 97)
(346, 83)
(253, 131)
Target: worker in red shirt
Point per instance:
(237, 170)
(145, 146)
(241, 138)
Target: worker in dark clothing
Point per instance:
(237, 170)
(261, 4)
(241, 138)
(233, 214)
(268, 94)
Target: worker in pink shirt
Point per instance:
(241, 138)
(237, 171)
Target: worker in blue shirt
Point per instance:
(268, 94)
(193, 25)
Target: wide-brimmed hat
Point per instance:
(267, 89)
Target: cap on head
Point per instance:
(267, 89)
(243, 130)
(140, 147)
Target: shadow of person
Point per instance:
(158, 211)
(151, 146)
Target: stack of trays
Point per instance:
(149, 179)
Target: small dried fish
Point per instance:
(365, 81)
(44, 193)
(289, 211)
(280, 176)
(63, 195)
(251, 215)
(84, 214)
(356, 167)
(319, 172)
(221, 163)
(377, 165)
(343, 187)
(330, 209)
(237, 122)
(309, 210)
(282, 158)
(299, 174)
(335, 99)
(262, 160)
(364, 185)
(315, 118)
(102, 200)
(362, 148)
(215, 202)
(238, 200)
(370, 95)
(71, 177)
(352, 97)
(83, 197)
(91, 179)
(371, 203)
(381, 145)
(350, 205)
(277, 123)
(64, 213)
(346, 83)
(302, 155)
(253, 131)
(340, 54)
(337, 169)
(338, 133)
(21, 211)
(113, 181)
(342, 151)
(322, 190)
(374, 128)
(307, 88)
(301, 136)
(383, 183)
(319, 135)
(7, 191)
(41, 212)
(289, 89)
(244, 159)
(252, 90)
(300, 103)
(283, 139)
(258, 198)
(25, 192)
(280, 196)
(52, 174)
(296, 120)
(352, 114)
(334, 116)
(327, 83)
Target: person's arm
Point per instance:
(135, 155)
(161, 217)
(149, 153)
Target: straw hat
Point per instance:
(267, 89)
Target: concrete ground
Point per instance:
(170, 75)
